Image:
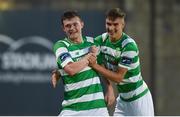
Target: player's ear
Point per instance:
(82, 24)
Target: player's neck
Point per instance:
(77, 40)
(115, 39)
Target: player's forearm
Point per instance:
(76, 67)
(108, 84)
(113, 76)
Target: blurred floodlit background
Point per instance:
(28, 29)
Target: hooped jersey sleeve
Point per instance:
(129, 56)
(62, 54)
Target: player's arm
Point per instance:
(113, 76)
(74, 67)
(71, 68)
(66, 62)
(109, 94)
(55, 77)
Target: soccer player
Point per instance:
(120, 56)
(83, 92)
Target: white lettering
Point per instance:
(28, 61)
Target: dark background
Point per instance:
(26, 90)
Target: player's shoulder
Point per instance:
(89, 39)
(128, 41)
(62, 42)
(102, 37)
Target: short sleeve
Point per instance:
(129, 56)
(62, 54)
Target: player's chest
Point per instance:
(77, 52)
(112, 55)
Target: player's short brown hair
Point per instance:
(114, 13)
(69, 15)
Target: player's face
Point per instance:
(73, 28)
(115, 27)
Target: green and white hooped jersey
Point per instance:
(124, 53)
(83, 91)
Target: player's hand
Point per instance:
(92, 60)
(109, 96)
(55, 77)
(94, 50)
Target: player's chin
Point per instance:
(111, 35)
(74, 35)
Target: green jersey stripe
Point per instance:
(86, 105)
(130, 47)
(58, 45)
(135, 92)
(94, 88)
(132, 72)
(80, 76)
(84, 98)
(81, 84)
(136, 97)
(129, 87)
(132, 79)
(66, 42)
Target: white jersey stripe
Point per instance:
(110, 51)
(134, 65)
(104, 36)
(81, 84)
(66, 43)
(90, 39)
(130, 54)
(131, 66)
(123, 66)
(126, 41)
(64, 63)
(84, 98)
(100, 112)
(78, 53)
(133, 79)
(59, 51)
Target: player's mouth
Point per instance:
(111, 33)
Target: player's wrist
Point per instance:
(85, 60)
